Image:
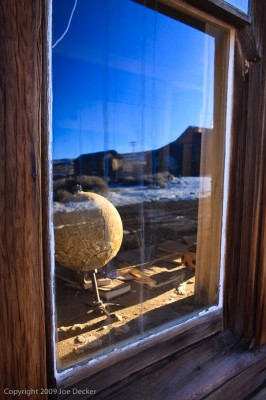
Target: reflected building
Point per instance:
(179, 158)
(102, 164)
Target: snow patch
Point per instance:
(184, 188)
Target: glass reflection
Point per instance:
(133, 116)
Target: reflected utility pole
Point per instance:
(133, 145)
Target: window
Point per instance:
(26, 220)
(139, 120)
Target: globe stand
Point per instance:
(98, 305)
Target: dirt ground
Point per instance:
(156, 235)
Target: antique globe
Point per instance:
(88, 234)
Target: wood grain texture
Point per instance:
(245, 290)
(219, 9)
(23, 353)
(216, 368)
(259, 394)
(245, 260)
(23, 348)
(212, 164)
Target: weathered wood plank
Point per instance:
(216, 8)
(245, 290)
(261, 288)
(22, 349)
(223, 10)
(202, 371)
(259, 395)
(212, 163)
(244, 383)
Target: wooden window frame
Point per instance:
(223, 10)
(216, 8)
(26, 280)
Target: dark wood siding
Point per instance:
(245, 285)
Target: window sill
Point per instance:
(107, 371)
(215, 368)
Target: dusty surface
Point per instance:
(155, 235)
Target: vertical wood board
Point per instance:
(22, 350)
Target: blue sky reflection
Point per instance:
(125, 73)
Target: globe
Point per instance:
(88, 232)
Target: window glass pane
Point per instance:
(138, 153)
(242, 5)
